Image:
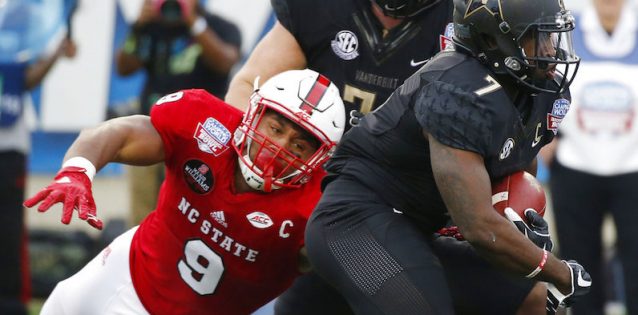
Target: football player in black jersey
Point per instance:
(469, 116)
(368, 48)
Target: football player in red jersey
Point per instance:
(227, 234)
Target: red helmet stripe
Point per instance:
(315, 94)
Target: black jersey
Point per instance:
(458, 101)
(344, 41)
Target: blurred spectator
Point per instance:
(595, 161)
(180, 46)
(17, 76)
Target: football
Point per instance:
(519, 191)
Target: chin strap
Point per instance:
(268, 179)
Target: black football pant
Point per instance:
(12, 266)
(476, 287)
(375, 258)
(580, 201)
(382, 264)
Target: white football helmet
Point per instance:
(304, 97)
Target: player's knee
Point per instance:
(534, 302)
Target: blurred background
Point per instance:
(83, 91)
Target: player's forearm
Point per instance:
(495, 238)
(503, 245)
(130, 140)
(465, 187)
(100, 145)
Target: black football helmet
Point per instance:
(404, 8)
(528, 40)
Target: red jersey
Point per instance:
(206, 249)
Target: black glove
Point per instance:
(537, 231)
(581, 283)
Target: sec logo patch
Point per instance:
(507, 149)
(198, 176)
(345, 45)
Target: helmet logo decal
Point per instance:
(475, 5)
(345, 45)
(315, 94)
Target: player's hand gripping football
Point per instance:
(537, 231)
(72, 187)
(581, 283)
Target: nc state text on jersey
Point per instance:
(218, 237)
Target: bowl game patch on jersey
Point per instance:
(445, 40)
(212, 136)
(559, 110)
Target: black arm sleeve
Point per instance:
(282, 11)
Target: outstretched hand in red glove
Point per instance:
(72, 187)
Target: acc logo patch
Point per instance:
(345, 45)
(559, 110)
(259, 220)
(212, 136)
(198, 176)
(507, 149)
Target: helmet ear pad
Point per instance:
(499, 53)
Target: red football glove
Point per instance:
(72, 187)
